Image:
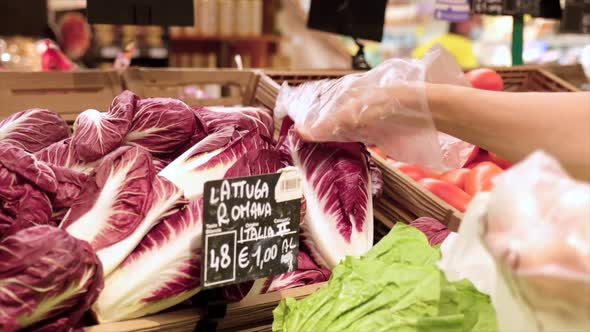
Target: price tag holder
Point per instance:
(12, 14)
(536, 8)
(576, 17)
(251, 227)
(452, 10)
(141, 12)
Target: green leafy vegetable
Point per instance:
(395, 287)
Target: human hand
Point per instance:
(386, 107)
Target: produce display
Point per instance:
(458, 186)
(103, 222)
(338, 188)
(486, 79)
(53, 58)
(396, 286)
(34, 129)
(526, 244)
(126, 187)
(433, 229)
(163, 270)
(48, 279)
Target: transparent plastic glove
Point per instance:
(464, 256)
(538, 230)
(385, 106)
(527, 244)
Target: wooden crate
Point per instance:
(239, 85)
(294, 77)
(404, 199)
(407, 200)
(573, 74)
(254, 314)
(519, 78)
(66, 93)
(529, 79)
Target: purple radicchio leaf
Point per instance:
(256, 162)
(21, 205)
(115, 200)
(70, 185)
(162, 271)
(49, 279)
(62, 154)
(241, 118)
(165, 199)
(28, 167)
(337, 187)
(199, 134)
(98, 133)
(160, 163)
(307, 273)
(434, 230)
(124, 106)
(161, 125)
(34, 129)
(210, 159)
(25, 183)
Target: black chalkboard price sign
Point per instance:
(536, 8)
(251, 228)
(576, 17)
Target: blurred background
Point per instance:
(273, 34)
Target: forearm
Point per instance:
(515, 124)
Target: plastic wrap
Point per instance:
(527, 244)
(385, 106)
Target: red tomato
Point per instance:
(480, 177)
(449, 193)
(482, 155)
(378, 151)
(415, 172)
(485, 79)
(503, 163)
(474, 153)
(456, 177)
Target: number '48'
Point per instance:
(217, 262)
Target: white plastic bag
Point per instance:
(385, 106)
(527, 245)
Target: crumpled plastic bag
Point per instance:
(527, 245)
(385, 106)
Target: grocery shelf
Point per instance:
(258, 47)
(258, 39)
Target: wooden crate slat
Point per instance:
(258, 310)
(73, 80)
(181, 320)
(171, 81)
(66, 93)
